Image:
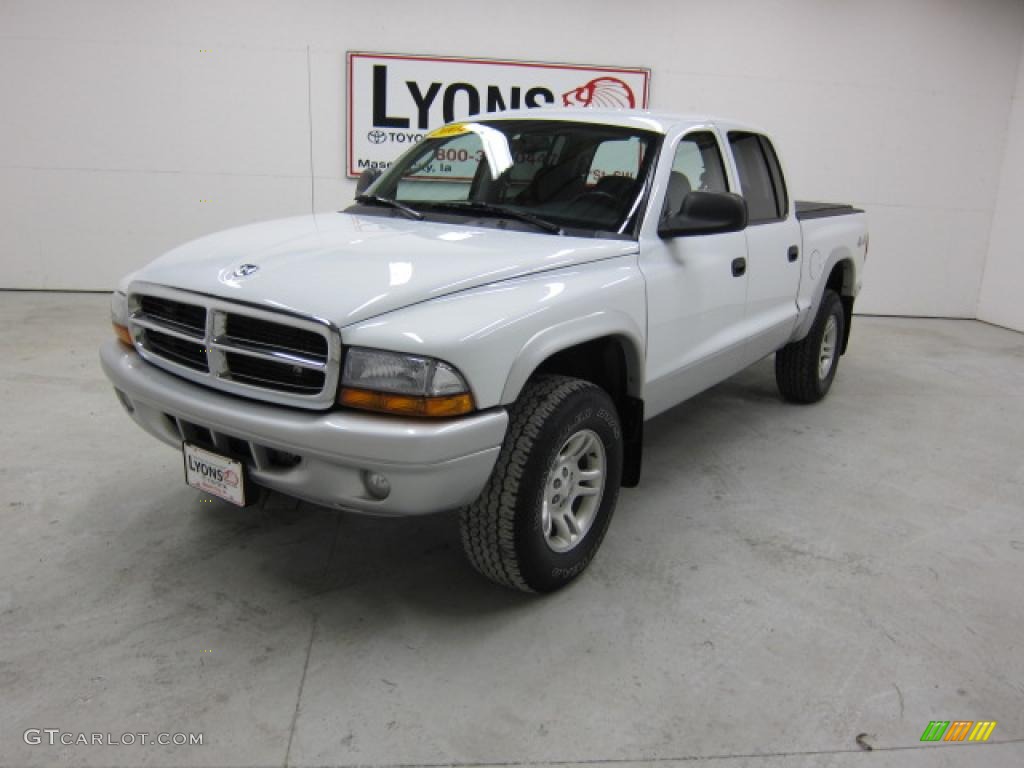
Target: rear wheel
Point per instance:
(804, 370)
(544, 512)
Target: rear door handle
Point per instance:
(793, 253)
(739, 266)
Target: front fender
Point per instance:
(599, 323)
(498, 334)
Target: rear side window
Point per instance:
(777, 179)
(760, 177)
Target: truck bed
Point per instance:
(809, 209)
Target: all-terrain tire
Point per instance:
(799, 366)
(503, 531)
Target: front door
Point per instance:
(696, 287)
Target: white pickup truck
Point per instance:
(490, 325)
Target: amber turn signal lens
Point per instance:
(123, 334)
(405, 405)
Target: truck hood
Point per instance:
(346, 268)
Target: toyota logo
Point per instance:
(377, 137)
(245, 270)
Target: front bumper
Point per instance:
(430, 465)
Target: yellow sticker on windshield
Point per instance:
(455, 129)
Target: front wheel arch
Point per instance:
(562, 339)
(612, 363)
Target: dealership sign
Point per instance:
(394, 100)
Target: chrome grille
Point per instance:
(188, 318)
(259, 333)
(187, 353)
(236, 348)
(267, 373)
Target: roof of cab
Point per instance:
(641, 119)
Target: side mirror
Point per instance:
(706, 213)
(366, 178)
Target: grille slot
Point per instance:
(252, 331)
(240, 447)
(266, 373)
(249, 351)
(254, 455)
(186, 318)
(191, 354)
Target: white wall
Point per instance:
(115, 125)
(1001, 300)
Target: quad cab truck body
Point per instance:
(490, 325)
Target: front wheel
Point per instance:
(544, 511)
(804, 370)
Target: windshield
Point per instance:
(552, 174)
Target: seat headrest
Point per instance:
(678, 188)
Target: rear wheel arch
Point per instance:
(805, 369)
(842, 280)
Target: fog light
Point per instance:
(376, 485)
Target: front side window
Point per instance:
(584, 178)
(696, 166)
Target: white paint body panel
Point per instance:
(498, 334)
(344, 268)
(772, 285)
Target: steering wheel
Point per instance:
(597, 194)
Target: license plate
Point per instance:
(214, 474)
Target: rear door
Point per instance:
(773, 245)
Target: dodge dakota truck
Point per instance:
(489, 325)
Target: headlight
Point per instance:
(119, 308)
(119, 317)
(410, 385)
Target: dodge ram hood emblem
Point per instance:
(245, 270)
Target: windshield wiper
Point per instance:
(497, 210)
(409, 211)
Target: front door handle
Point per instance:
(739, 267)
(793, 253)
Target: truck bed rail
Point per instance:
(808, 209)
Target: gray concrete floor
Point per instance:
(785, 579)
